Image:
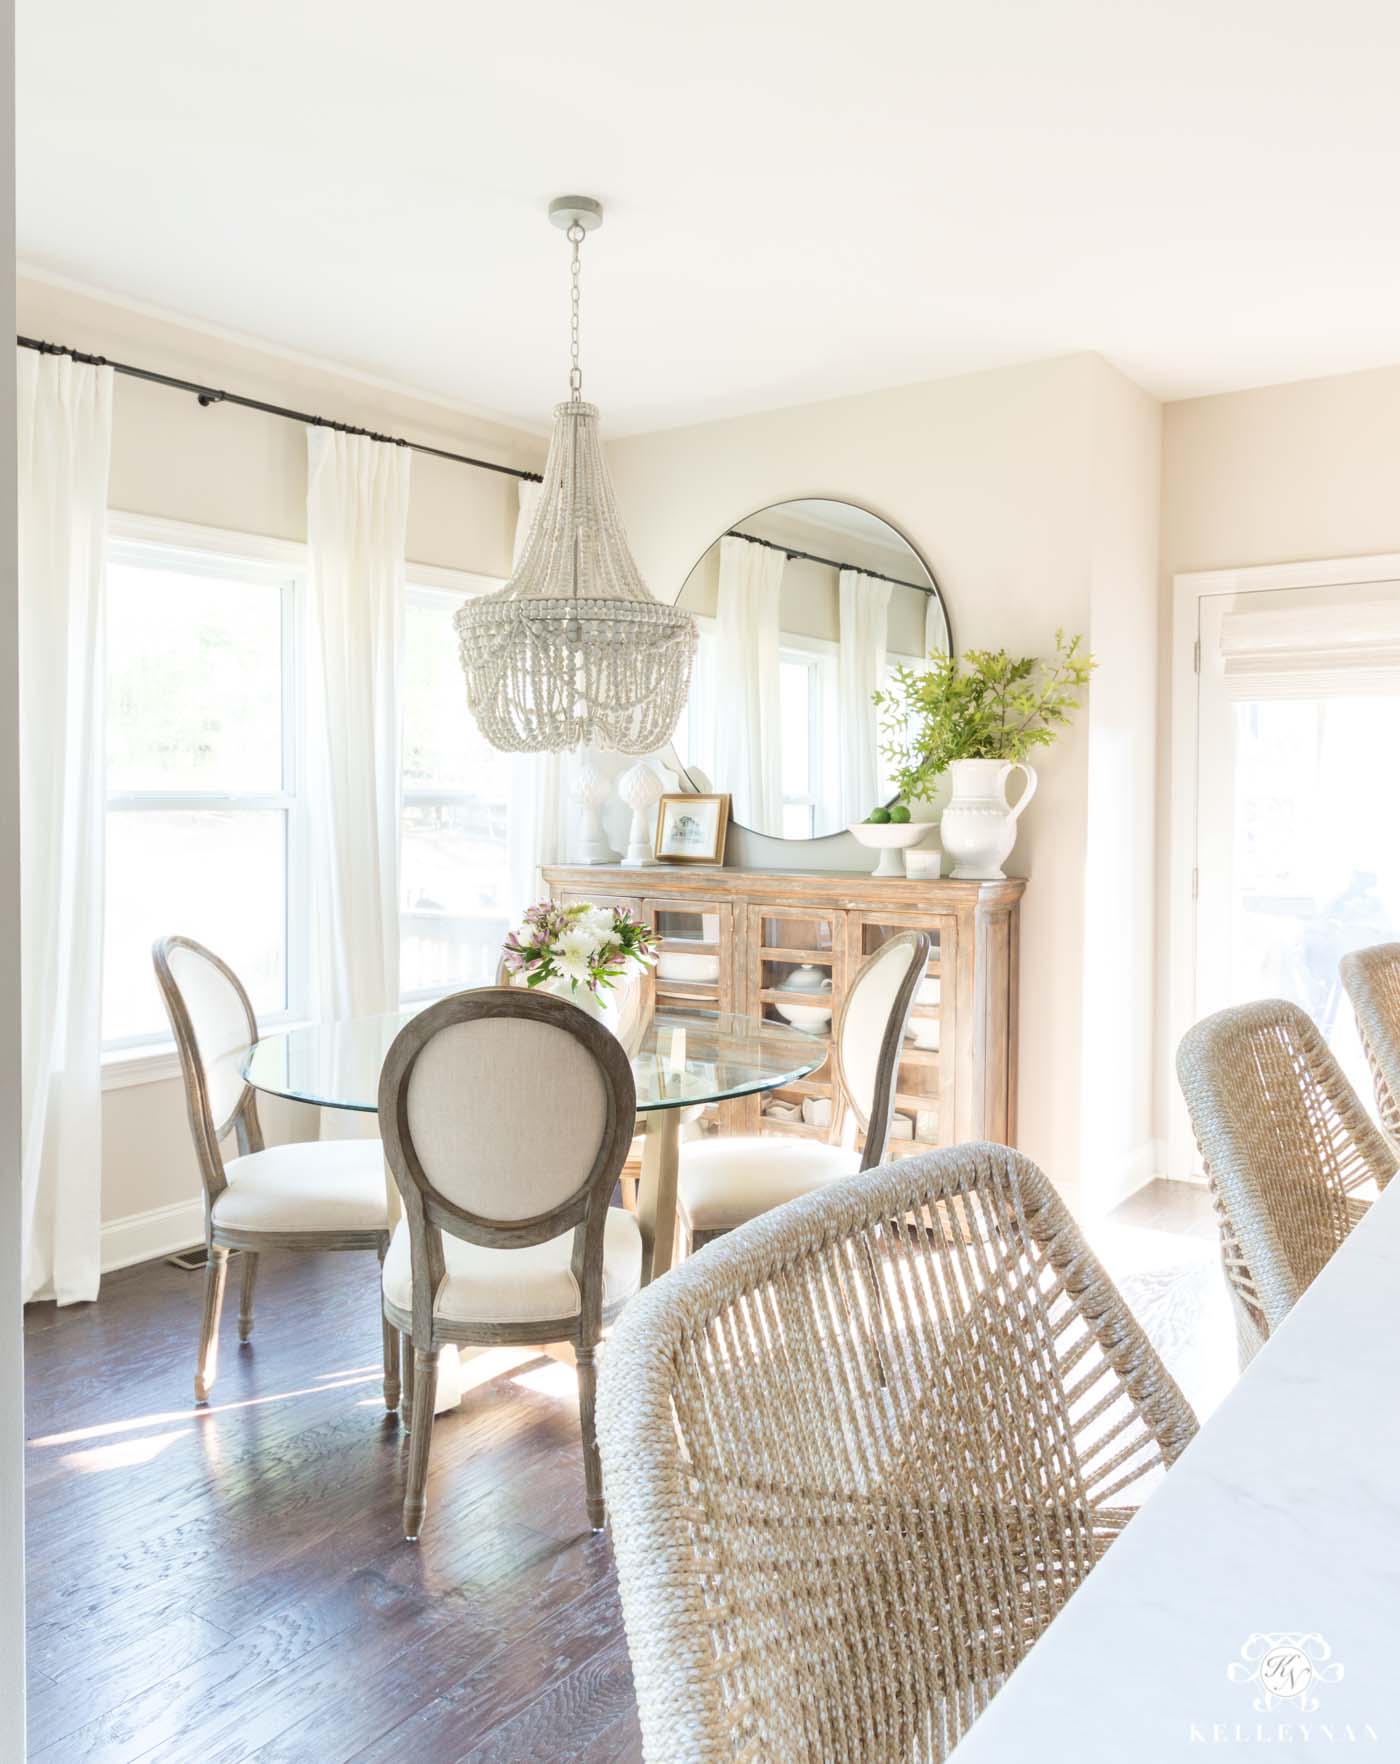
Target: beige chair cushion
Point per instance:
(726, 1182)
(528, 1285)
(322, 1185)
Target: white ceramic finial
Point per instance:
(639, 787)
(590, 789)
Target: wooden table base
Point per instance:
(656, 1197)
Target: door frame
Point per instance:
(1189, 589)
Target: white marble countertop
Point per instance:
(1281, 1519)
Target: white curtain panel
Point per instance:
(535, 817)
(748, 744)
(356, 520)
(64, 411)
(860, 671)
(936, 634)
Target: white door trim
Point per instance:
(1189, 589)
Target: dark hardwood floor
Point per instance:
(232, 1583)
(213, 1586)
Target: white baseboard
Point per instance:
(1134, 1172)
(141, 1237)
(1116, 1176)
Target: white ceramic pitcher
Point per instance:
(978, 828)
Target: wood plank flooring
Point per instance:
(230, 1586)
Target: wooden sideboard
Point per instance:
(736, 940)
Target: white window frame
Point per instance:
(439, 587)
(819, 657)
(1189, 591)
(217, 551)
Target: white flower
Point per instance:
(575, 967)
(575, 952)
(597, 924)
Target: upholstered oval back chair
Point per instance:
(860, 1452)
(726, 1180)
(506, 1117)
(313, 1195)
(1290, 1154)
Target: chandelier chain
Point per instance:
(575, 238)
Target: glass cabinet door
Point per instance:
(695, 953)
(797, 975)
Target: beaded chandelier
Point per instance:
(574, 650)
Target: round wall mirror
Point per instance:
(802, 609)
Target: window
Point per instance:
(454, 866)
(800, 711)
(203, 829)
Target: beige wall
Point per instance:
(1010, 484)
(225, 467)
(1277, 475)
(246, 471)
(1308, 470)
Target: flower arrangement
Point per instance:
(984, 704)
(589, 947)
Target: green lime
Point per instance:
(878, 817)
(899, 813)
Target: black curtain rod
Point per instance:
(208, 395)
(831, 562)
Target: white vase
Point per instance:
(640, 788)
(978, 828)
(603, 1007)
(590, 789)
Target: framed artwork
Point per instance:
(692, 829)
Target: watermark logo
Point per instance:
(1288, 1670)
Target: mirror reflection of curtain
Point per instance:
(865, 609)
(935, 627)
(748, 740)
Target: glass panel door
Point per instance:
(798, 965)
(695, 953)
(1298, 847)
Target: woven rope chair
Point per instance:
(860, 1451)
(1372, 979)
(1286, 1146)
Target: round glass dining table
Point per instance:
(682, 1059)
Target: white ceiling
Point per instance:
(803, 199)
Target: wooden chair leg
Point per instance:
(415, 1501)
(592, 1462)
(391, 1342)
(406, 1404)
(245, 1297)
(215, 1274)
(391, 1366)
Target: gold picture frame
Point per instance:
(691, 829)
